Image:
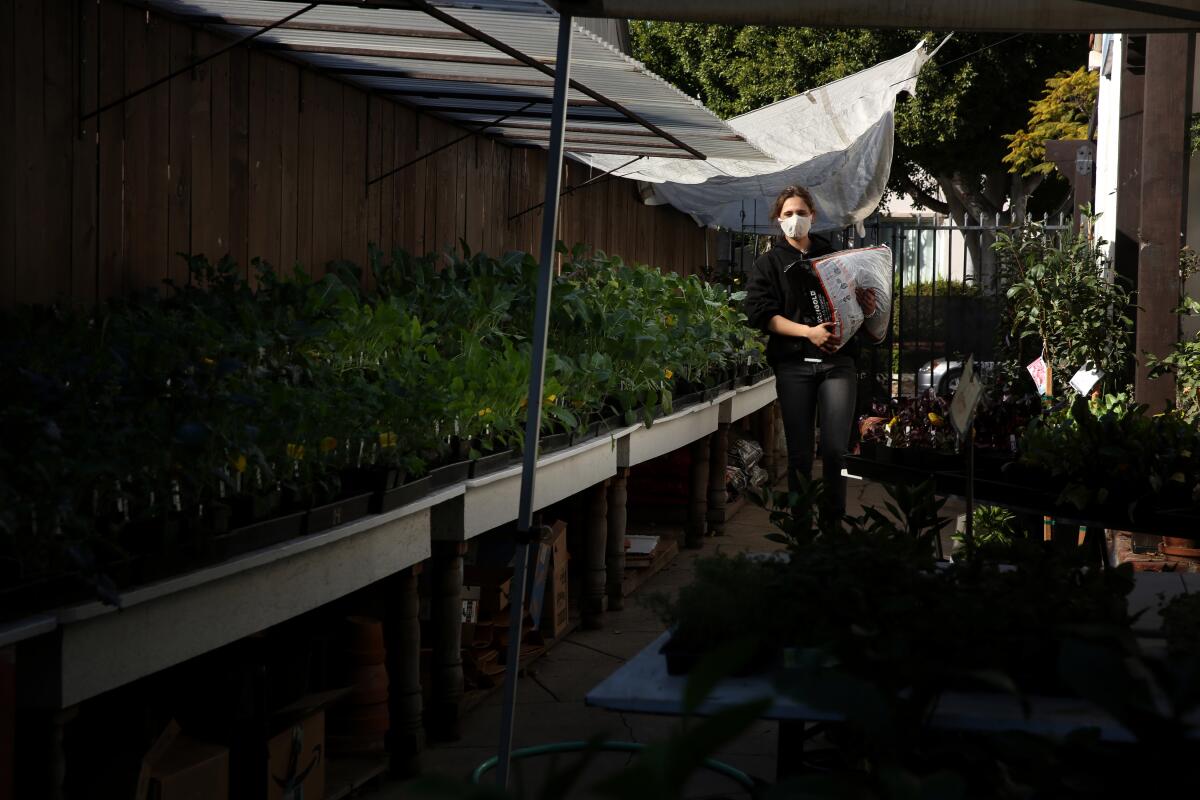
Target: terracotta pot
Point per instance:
(370, 684)
(484, 634)
(360, 720)
(364, 634)
(352, 744)
(363, 658)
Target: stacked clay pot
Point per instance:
(360, 722)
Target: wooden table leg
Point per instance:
(446, 622)
(697, 494)
(406, 739)
(717, 455)
(41, 761)
(614, 560)
(595, 554)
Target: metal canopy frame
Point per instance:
(485, 59)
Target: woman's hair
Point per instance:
(791, 191)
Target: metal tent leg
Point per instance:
(554, 158)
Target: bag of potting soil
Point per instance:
(843, 272)
(759, 476)
(736, 478)
(744, 453)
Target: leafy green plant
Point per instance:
(1184, 359)
(1062, 298)
(1111, 451)
(991, 526)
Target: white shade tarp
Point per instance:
(835, 140)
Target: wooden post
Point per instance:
(770, 459)
(406, 738)
(1164, 206)
(614, 561)
(717, 456)
(697, 494)
(595, 554)
(446, 621)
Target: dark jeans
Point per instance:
(803, 388)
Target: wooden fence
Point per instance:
(250, 155)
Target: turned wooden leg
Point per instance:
(697, 494)
(406, 738)
(446, 621)
(41, 762)
(717, 454)
(770, 452)
(595, 545)
(615, 546)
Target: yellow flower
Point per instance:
(668, 374)
(295, 451)
(935, 419)
(239, 463)
(387, 439)
(550, 398)
(328, 444)
(483, 412)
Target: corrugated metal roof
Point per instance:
(448, 68)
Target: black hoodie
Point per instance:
(782, 282)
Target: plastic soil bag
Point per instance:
(744, 453)
(841, 273)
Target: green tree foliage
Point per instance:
(948, 134)
(1062, 112)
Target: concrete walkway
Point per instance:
(550, 696)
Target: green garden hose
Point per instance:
(720, 767)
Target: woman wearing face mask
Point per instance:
(785, 299)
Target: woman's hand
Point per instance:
(866, 299)
(823, 336)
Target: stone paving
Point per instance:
(550, 696)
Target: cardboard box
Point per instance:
(555, 612)
(191, 770)
(178, 767)
(296, 754)
(490, 585)
(470, 610)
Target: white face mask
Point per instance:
(795, 226)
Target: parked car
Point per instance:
(943, 375)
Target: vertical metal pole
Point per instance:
(533, 421)
(969, 535)
(900, 303)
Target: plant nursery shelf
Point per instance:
(1031, 500)
(642, 685)
(98, 649)
(747, 399)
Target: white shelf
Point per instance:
(98, 647)
(748, 399)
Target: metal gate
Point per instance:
(946, 297)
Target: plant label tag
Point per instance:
(1084, 380)
(966, 398)
(1037, 370)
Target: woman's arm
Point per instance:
(763, 298)
(820, 335)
